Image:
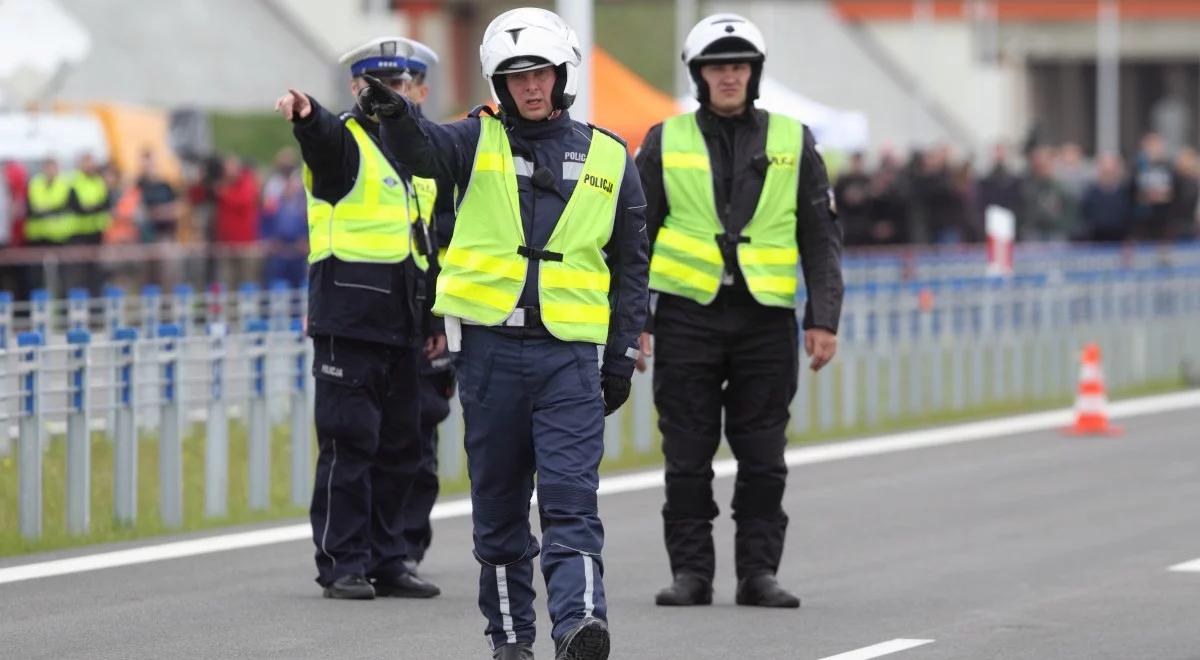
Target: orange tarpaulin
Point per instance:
(624, 103)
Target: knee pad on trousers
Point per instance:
(759, 494)
(690, 497)
(502, 534)
(558, 500)
(500, 511)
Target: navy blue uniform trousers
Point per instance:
(532, 405)
(367, 414)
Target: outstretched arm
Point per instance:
(428, 149)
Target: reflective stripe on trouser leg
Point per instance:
(510, 635)
(589, 587)
(506, 599)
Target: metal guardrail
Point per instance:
(168, 377)
(908, 351)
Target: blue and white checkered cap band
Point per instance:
(374, 64)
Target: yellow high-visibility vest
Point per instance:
(91, 191)
(687, 259)
(50, 218)
(371, 222)
(485, 266)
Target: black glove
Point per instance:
(616, 392)
(377, 99)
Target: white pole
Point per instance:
(578, 14)
(1108, 73)
(686, 15)
(922, 41)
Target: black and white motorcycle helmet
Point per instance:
(526, 39)
(724, 38)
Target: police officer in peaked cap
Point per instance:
(368, 319)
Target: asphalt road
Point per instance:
(1033, 546)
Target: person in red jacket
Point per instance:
(237, 217)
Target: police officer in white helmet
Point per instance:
(547, 262)
(738, 199)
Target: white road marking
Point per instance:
(881, 649)
(645, 480)
(1192, 566)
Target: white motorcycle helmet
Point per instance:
(530, 38)
(724, 38)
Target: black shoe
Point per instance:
(764, 591)
(516, 651)
(350, 587)
(687, 589)
(587, 641)
(403, 585)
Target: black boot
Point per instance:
(517, 651)
(764, 591)
(587, 641)
(687, 589)
(350, 587)
(403, 585)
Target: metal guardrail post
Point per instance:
(614, 430)
(79, 440)
(39, 313)
(125, 452)
(259, 434)
(215, 311)
(114, 309)
(248, 299)
(77, 309)
(800, 407)
(279, 298)
(6, 317)
(183, 308)
(114, 318)
(216, 430)
(171, 425)
(29, 443)
(916, 320)
(643, 410)
(151, 310)
(301, 422)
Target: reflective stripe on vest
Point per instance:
(687, 259)
(91, 191)
(49, 200)
(369, 224)
(424, 196)
(483, 274)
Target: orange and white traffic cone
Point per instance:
(1091, 404)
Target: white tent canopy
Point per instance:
(37, 39)
(833, 128)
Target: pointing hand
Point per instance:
(293, 105)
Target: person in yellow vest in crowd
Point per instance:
(738, 199)
(546, 264)
(367, 316)
(50, 220)
(91, 202)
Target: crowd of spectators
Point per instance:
(931, 197)
(221, 201)
(1059, 195)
